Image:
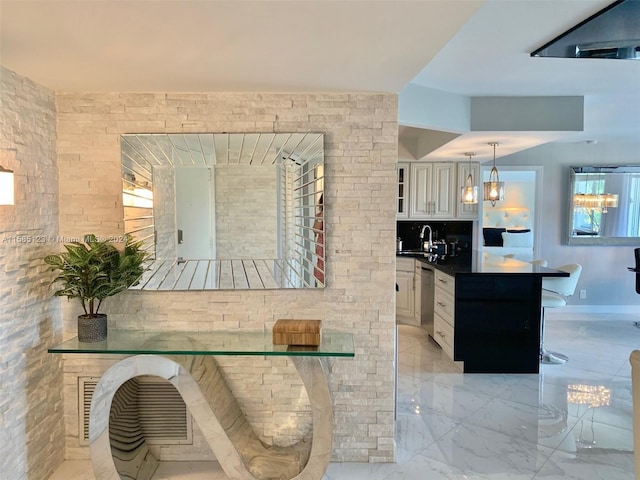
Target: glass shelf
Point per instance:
(131, 342)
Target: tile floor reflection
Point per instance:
(572, 421)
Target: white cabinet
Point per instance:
(402, 205)
(406, 293)
(432, 190)
(444, 312)
(417, 297)
(428, 191)
(464, 210)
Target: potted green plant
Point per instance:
(92, 271)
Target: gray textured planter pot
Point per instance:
(92, 329)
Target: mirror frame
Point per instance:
(593, 239)
(298, 161)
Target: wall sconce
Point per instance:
(494, 188)
(6, 187)
(469, 193)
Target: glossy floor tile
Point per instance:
(572, 421)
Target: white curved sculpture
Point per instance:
(123, 453)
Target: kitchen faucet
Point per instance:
(430, 243)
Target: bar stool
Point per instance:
(636, 269)
(555, 291)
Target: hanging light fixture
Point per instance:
(469, 193)
(6, 187)
(598, 201)
(494, 188)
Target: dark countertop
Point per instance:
(479, 262)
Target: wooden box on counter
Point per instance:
(297, 332)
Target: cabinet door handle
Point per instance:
(442, 304)
(441, 334)
(443, 281)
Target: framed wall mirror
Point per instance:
(604, 205)
(226, 210)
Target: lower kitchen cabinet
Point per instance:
(407, 292)
(405, 295)
(444, 313)
(417, 294)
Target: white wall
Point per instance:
(361, 148)
(604, 275)
(31, 414)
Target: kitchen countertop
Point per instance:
(479, 262)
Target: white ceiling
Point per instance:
(470, 48)
(211, 45)
(490, 56)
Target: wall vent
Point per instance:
(163, 415)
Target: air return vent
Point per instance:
(164, 417)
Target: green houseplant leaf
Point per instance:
(96, 269)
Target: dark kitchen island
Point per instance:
(490, 305)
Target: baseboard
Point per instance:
(595, 309)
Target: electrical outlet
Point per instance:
(583, 294)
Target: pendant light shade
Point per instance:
(494, 188)
(6, 186)
(469, 193)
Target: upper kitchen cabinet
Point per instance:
(432, 191)
(402, 205)
(465, 210)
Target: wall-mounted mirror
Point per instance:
(604, 205)
(226, 210)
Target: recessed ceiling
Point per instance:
(490, 56)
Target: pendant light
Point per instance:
(494, 188)
(469, 193)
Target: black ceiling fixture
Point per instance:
(613, 32)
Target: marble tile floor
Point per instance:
(572, 421)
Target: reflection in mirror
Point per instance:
(226, 211)
(604, 206)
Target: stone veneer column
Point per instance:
(361, 134)
(32, 428)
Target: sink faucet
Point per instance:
(430, 243)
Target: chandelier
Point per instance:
(592, 395)
(595, 201)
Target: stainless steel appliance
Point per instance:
(426, 299)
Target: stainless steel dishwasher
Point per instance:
(426, 299)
